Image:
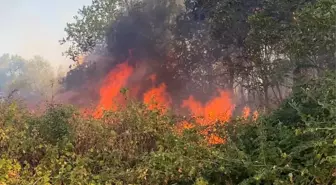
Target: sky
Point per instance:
(34, 27)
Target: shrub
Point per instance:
(293, 145)
(53, 126)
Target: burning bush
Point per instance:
(137, 145)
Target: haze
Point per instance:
(34, 27)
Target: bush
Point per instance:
(53, 126)
(296, 144)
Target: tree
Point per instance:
(37, 79)
(312, 44)
(90, 26)
(249, 47)
(300, 32)
(268, 40)
(11, 66)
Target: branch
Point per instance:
(11, 94)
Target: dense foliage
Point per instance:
(294, 145)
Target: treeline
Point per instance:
(257, 49)
(33, 80)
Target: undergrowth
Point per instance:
(295, 144)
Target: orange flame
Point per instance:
(217, 110)
(246, 112)
(110, 90)
(157, 98)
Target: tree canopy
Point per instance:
(261, 49)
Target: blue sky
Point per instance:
(34, 27)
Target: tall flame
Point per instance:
(219, 109)
(157, 97)
(110, 95)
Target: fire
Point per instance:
(110, 95)
(157, 98)
(219, 109)
(214, 139)
(246, 112)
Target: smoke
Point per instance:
(166, 41)
(144, 29)
(154, 37)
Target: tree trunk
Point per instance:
(266, 97)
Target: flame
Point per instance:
(214, 139)
(110, 90)
(217, 110)
(246, 112)
(157, 98)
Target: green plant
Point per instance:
(139, 146)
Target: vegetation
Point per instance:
(28, 77)
(294, 145)
(258, 49)
(278, 56)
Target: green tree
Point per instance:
(301, 32)
(89, 27)
(312, 44)
(267, 41)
